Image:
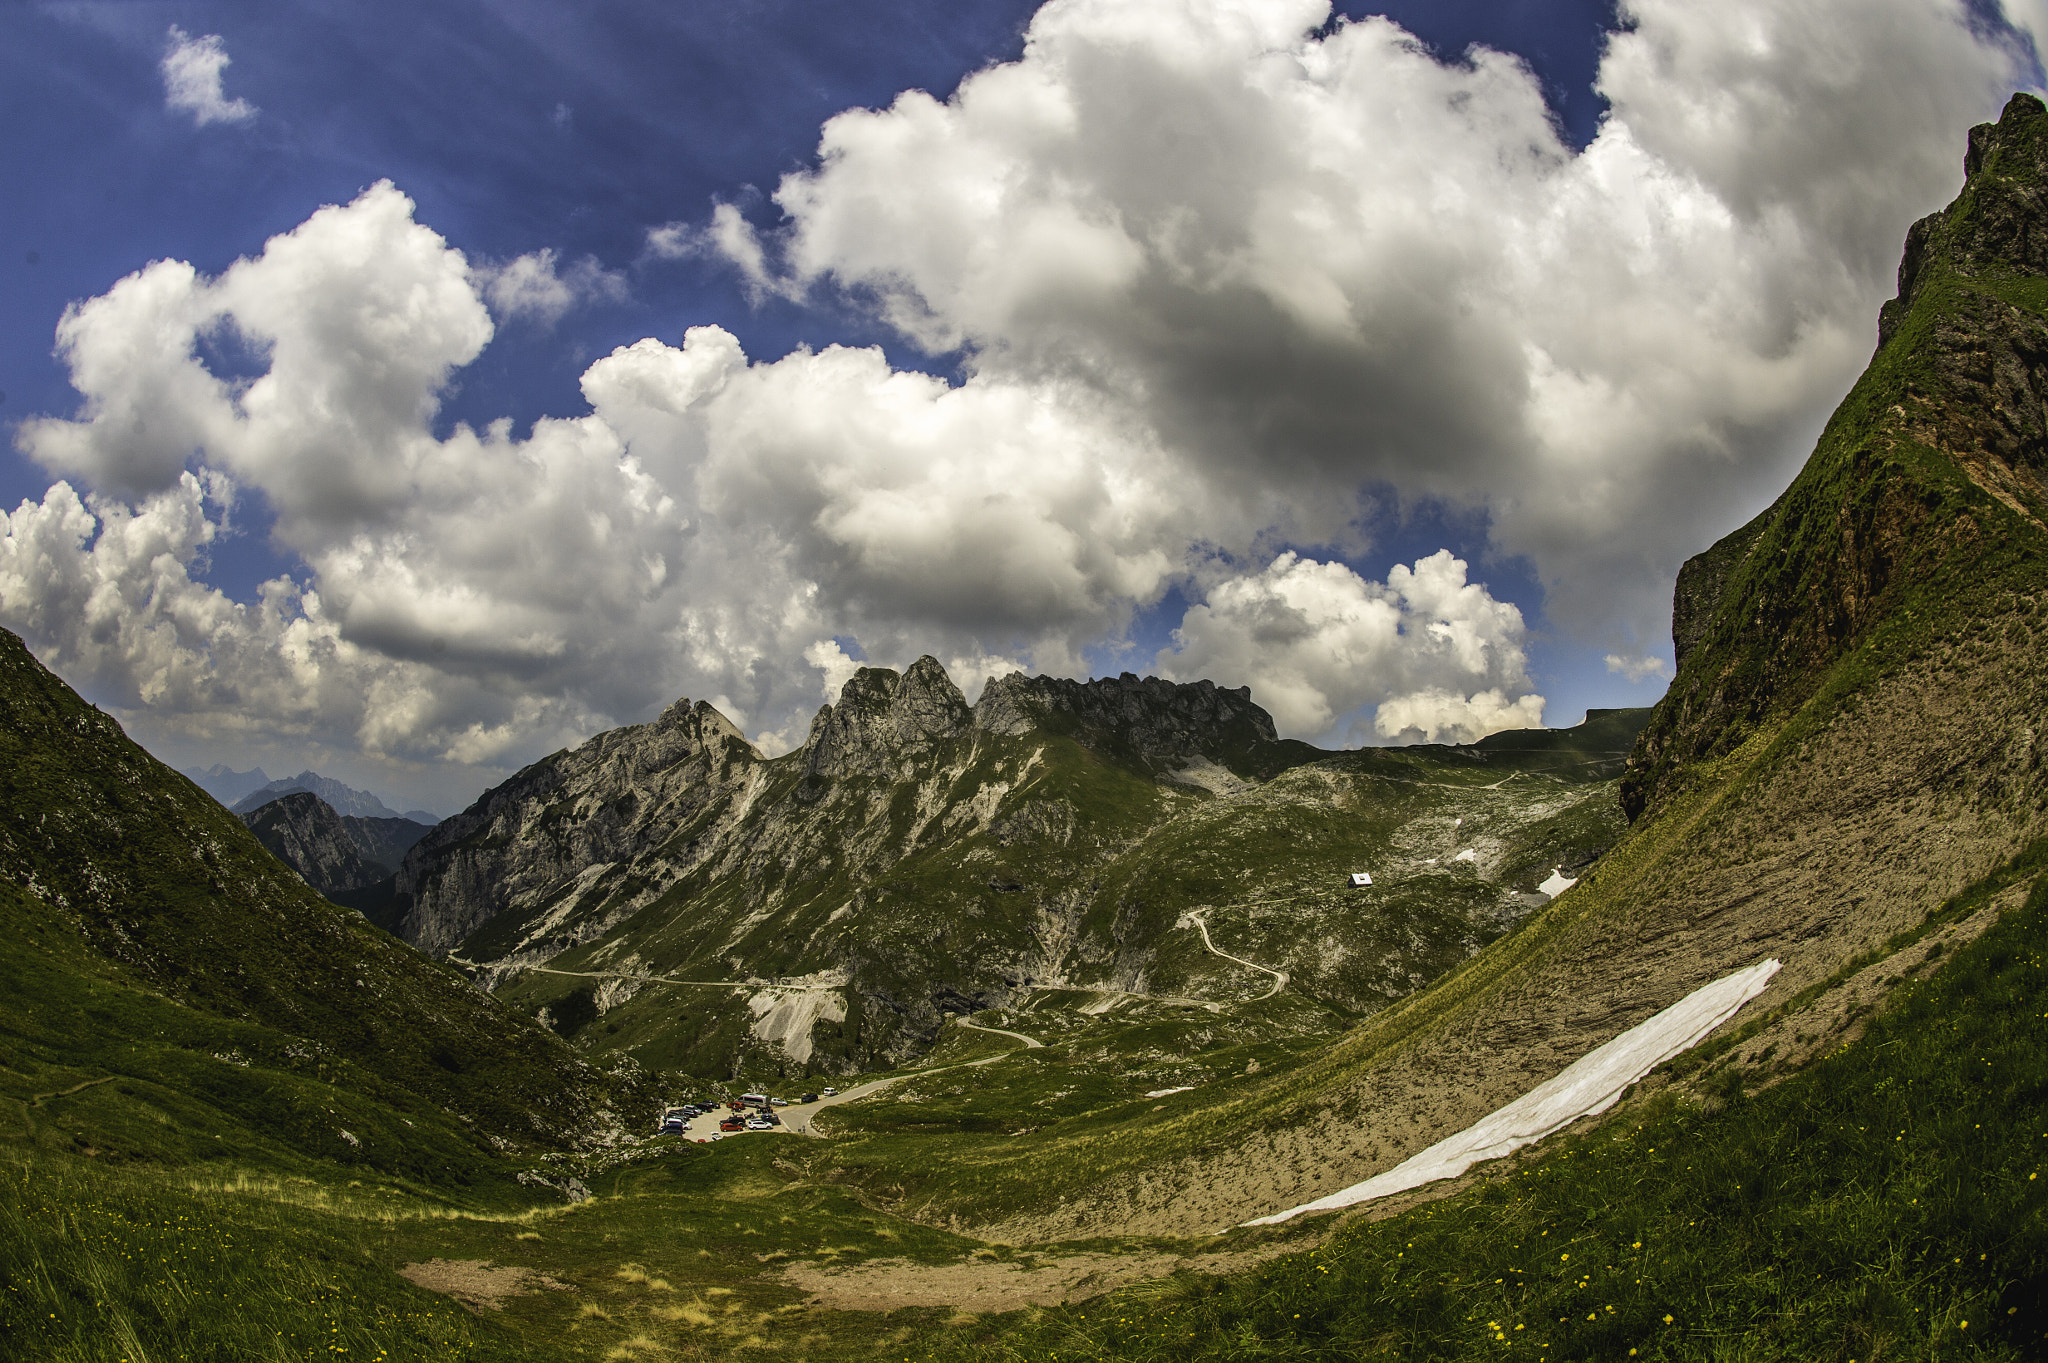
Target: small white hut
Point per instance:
(1360, 879)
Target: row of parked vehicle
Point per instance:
(750, 1112)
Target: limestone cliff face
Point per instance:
(1159, 726)
(1928, 481)
(884, 723)
(623, 794)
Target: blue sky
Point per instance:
(1569, 396)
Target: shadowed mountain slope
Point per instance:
(335, 853)
(149, 941)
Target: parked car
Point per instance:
(779, 1102)
(831, 1092)
(733, 1124)
(808, 1098)
(758, 1123)
(675, 1119)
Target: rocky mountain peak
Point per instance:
(1997, 226)
(883, 717)
(1160, 724)
(1929, 481)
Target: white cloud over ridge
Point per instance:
(1315, 265)
(192, 79)
(1437, 656)
(1212, 277)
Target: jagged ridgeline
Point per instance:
(191, 999)
(667, 891)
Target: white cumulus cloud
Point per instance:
(1637, 667)
(1317, 264)
(192, 72)
(531, 286)
(1436, 655)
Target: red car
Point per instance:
(733, 1124)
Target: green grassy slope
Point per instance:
(1920, 512)
(1804, 801)
(213, 1004)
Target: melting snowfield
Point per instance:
(1592, 1083)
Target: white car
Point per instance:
(831, 1092)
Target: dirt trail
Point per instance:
(1279, 976)
(997, 1031)
(629, 975)
(797, 1119)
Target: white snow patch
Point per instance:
(1558, 883)
(1593, 1083)
(1161, 1093)
(1467, 855)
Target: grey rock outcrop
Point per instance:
(622, 794)
(303, 831)
(884, 720)
(1156, 724)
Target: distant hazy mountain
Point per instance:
(225, 785)
(342, 799)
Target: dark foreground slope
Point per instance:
(1854, 737)
(191, 1000)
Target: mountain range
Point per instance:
(244, 792)
(918, 858)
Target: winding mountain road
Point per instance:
(1279, 976)
(797, 1118)
(1029, 1044)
